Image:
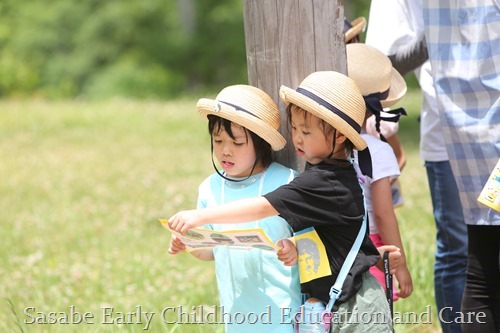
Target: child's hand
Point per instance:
(176, 245)
(185, 220)
(287, 252)
(405, 283)
(395, 257)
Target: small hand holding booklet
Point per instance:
(241, 239)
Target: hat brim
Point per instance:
(207, 107)
(289, 95)
(358, 25)
(397, 89)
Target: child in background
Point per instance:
(243, 122)
(387, 130)
(380, 84)
(326, 113)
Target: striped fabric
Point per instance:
(463, 38)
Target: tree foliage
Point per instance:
(136, 48)
(133, 48)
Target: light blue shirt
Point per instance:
(253, 282)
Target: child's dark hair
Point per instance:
(326, 127)
(263, 151)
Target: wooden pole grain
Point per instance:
(286, 40)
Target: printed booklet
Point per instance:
(242, 239)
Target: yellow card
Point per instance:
(313, 261)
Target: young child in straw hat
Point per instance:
(382, 86)
(388, 130)
(243, 123)
(326, 113)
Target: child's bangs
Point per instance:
(298, 110)
(307, 116)
(217, 124)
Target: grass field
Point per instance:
(82, 187)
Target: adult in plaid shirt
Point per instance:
(463, 40)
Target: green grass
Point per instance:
(81, 188)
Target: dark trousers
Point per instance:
(481, 301)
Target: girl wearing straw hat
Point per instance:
(254, 286)
(326, 113)
(381, 86)
(386, 130)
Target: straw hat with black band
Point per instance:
(333, 97)
(336, 99)
(249, 107)
(354, 28)
(373, 73)
(381, 84)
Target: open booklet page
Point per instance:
(243, 239)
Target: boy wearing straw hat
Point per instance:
(382, 87)
(254, 286)
(326, 113)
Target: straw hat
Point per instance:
(373, 73)
(333, 97)
(249, 107)
(355, 27)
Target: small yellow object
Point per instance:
(490, 195)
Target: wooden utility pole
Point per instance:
(286, 40)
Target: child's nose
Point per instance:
(226, 150)
(296, 138)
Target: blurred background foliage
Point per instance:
(135, 48)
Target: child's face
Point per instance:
(308, 137)
(235, 156)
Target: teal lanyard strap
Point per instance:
(336, 289)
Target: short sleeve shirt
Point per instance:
(329, 198)
(384, 164)
(253, 281)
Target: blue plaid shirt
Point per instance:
(463, 38)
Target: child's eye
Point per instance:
(217, 141)
(305, 132)
(238, 143)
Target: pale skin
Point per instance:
(236, 156)
(314, 146)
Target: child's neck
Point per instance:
(339, 155)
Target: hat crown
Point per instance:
(369, 68)
(334, 98)
(339, 91)
(373, 73)
(253, 101)
(249, 107)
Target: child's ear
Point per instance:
(340, 138)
